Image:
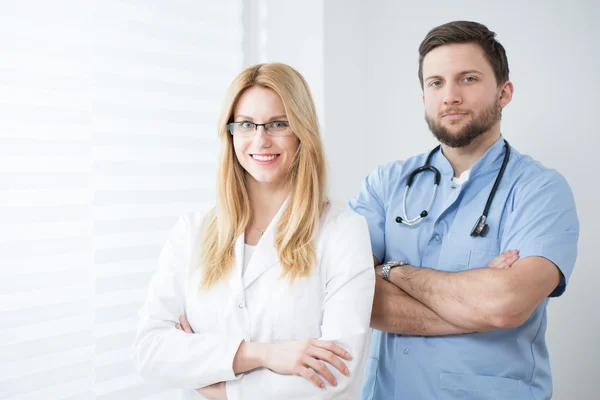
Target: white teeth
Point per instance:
(263, 158)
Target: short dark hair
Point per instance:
(467, 32)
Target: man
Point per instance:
(448, 325)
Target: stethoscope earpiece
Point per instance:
(423, 214)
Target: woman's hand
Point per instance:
(213, 392)
(184, 325)
(504, 260)
(302, 357)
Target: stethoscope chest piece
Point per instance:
(480, 228)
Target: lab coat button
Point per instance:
(405, 351)
(438, 238)
(241, 304)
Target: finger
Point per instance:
(319, 367)
(178, 326)
(311, 376)
(509, 261)
(493, 263)
(501, 259)
(185, 324)
(331, 358)
(503, 264)
(513, 259)
(332, 347)
(497, 261)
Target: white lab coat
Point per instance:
(334, 303)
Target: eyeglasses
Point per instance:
(248, 129)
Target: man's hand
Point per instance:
(378, 270)
(504, 260)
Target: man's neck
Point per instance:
(463, 158)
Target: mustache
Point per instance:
(453, 110)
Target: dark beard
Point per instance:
(477, 127)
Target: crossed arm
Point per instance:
(423, 301)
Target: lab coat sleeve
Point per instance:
(163, 354)
(544, 223)
(370, 202)
(347, 307)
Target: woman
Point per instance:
(277, 286)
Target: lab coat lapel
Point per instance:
(265, 255)
(236, 279)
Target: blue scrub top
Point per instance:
(533, 211)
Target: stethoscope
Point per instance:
(480, 228)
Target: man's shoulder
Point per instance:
(530, 176)
(527, 171)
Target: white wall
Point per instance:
(290, 32)
(375, 114)
(348, 131)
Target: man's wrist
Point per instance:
(397, 273)
(387, 268)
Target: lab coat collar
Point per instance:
(265, 255)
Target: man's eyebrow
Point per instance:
(432, 77)
(471, 71)
(465, 72)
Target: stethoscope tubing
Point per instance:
(480, 227)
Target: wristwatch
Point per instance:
(385, 271)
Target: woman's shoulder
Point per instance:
(337, 219)
(344, 242)
(194, 220)
(187, 228)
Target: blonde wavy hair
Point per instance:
(307, 202)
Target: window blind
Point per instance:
(108, 116)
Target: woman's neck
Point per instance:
(265, 202)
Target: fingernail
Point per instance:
(347, 372)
